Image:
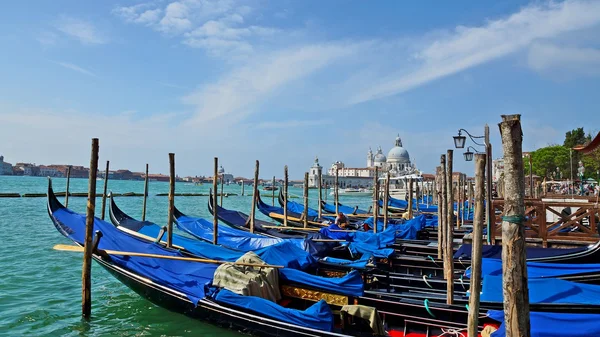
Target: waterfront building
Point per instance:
(227, 178)
(46, 171)
(497, 169)
(5, 168)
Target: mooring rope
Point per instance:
(452, 332)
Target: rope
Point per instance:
(451, 332)
(432, 260)
(516, 219)
(426, 303)
(426, 282)
(462, 283)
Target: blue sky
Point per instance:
(285, 81)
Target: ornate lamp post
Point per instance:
(459, 143)
(580, 172)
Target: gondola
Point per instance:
(293, 219)
(180, 286)
(350, 211)
(240, 220)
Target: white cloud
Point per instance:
(176, 18)
(294, 124)
(76, 68)
(80, 30)
(468, 47)
(238, 93)
(47, 38)
(545, 57)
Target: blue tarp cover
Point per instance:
(546, 324)
(495, 252)
(298, 208)
(493, 267)
(318, 316)
(329, 208)
(356, 264)
(545, 290)
(350, 284)
(189, 278)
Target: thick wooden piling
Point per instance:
(335, 191)
(514, 269)
(375, 199)
(386, 196)
(104, 193)
(410, 198)
(285, 195)
(305, 212)
(417, 195)
(320, 186)
(477, 246)
(145, 195)
(86, 274)
(243, 187)
(254, 198)
(171, 199)
(214, 196)
(434, 190)
(222, 185)
(448, 256)
(459, 203)
(273, 192)
(68, 182)
(442, 210)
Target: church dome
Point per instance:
(398, 153)
(379, 156)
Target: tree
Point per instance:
(545, 161)
(573, 138)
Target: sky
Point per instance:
(285, 81)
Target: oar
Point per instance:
(71, 248)
(307, 229)
(279, 216)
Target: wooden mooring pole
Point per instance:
(305, 211)
(215, 217)
(442, 211)
(254, 197)
(459, 203)
(222, 185)
(335, 191)
(68, 183)
(273, 192)
(477, 246)
(410, 198)
(386, 196)
(104, 193)
(417, 195)
(375, 199)
(243, 187)
(171, 199)
(285, 195)
(320, 185)
(448, 255)
(514, 267)
(145, 195)
(86, 273)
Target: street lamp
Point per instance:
(468, 154)
(459, 143)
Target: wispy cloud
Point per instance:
(140, 13)
(467, 47)
(76, 68)
(47, 38)
(81, 30)
(294, 124)
(551, 58)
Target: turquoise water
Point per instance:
(40, 288)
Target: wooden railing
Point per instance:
(568, 222)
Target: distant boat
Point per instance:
(352, 191)
(270, 188)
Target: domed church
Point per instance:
(397, 160)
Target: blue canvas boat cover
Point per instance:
(493, 267)
(242, 240)
(545, 290)
(318, 316)
(495, 252)
(329, 208)
(299, 208)
(356, 264)
(547, 324)
(350, 284)
(189, 278)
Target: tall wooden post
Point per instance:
(104, 193)
(273, 192)
(86, 273)
(514, 267)
(335, 191)
(386, 196)
(442, 210)
(145, 195)
(320, 185)
(375, 199)
(222, 185)
(243, 187)
(305, 212)
(410, 198)
(477, 246)
(448, 256)
(417, 196)
(68, 182)
(285, 195)
(470, 198)
(459, 204)
(254, 198)
(171, 199)
(531, 195)
(215, 217)
(434, 190)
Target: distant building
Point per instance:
(497, 168)
(27, 169)
(226, 177)
(5, 168)
(46, 171)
